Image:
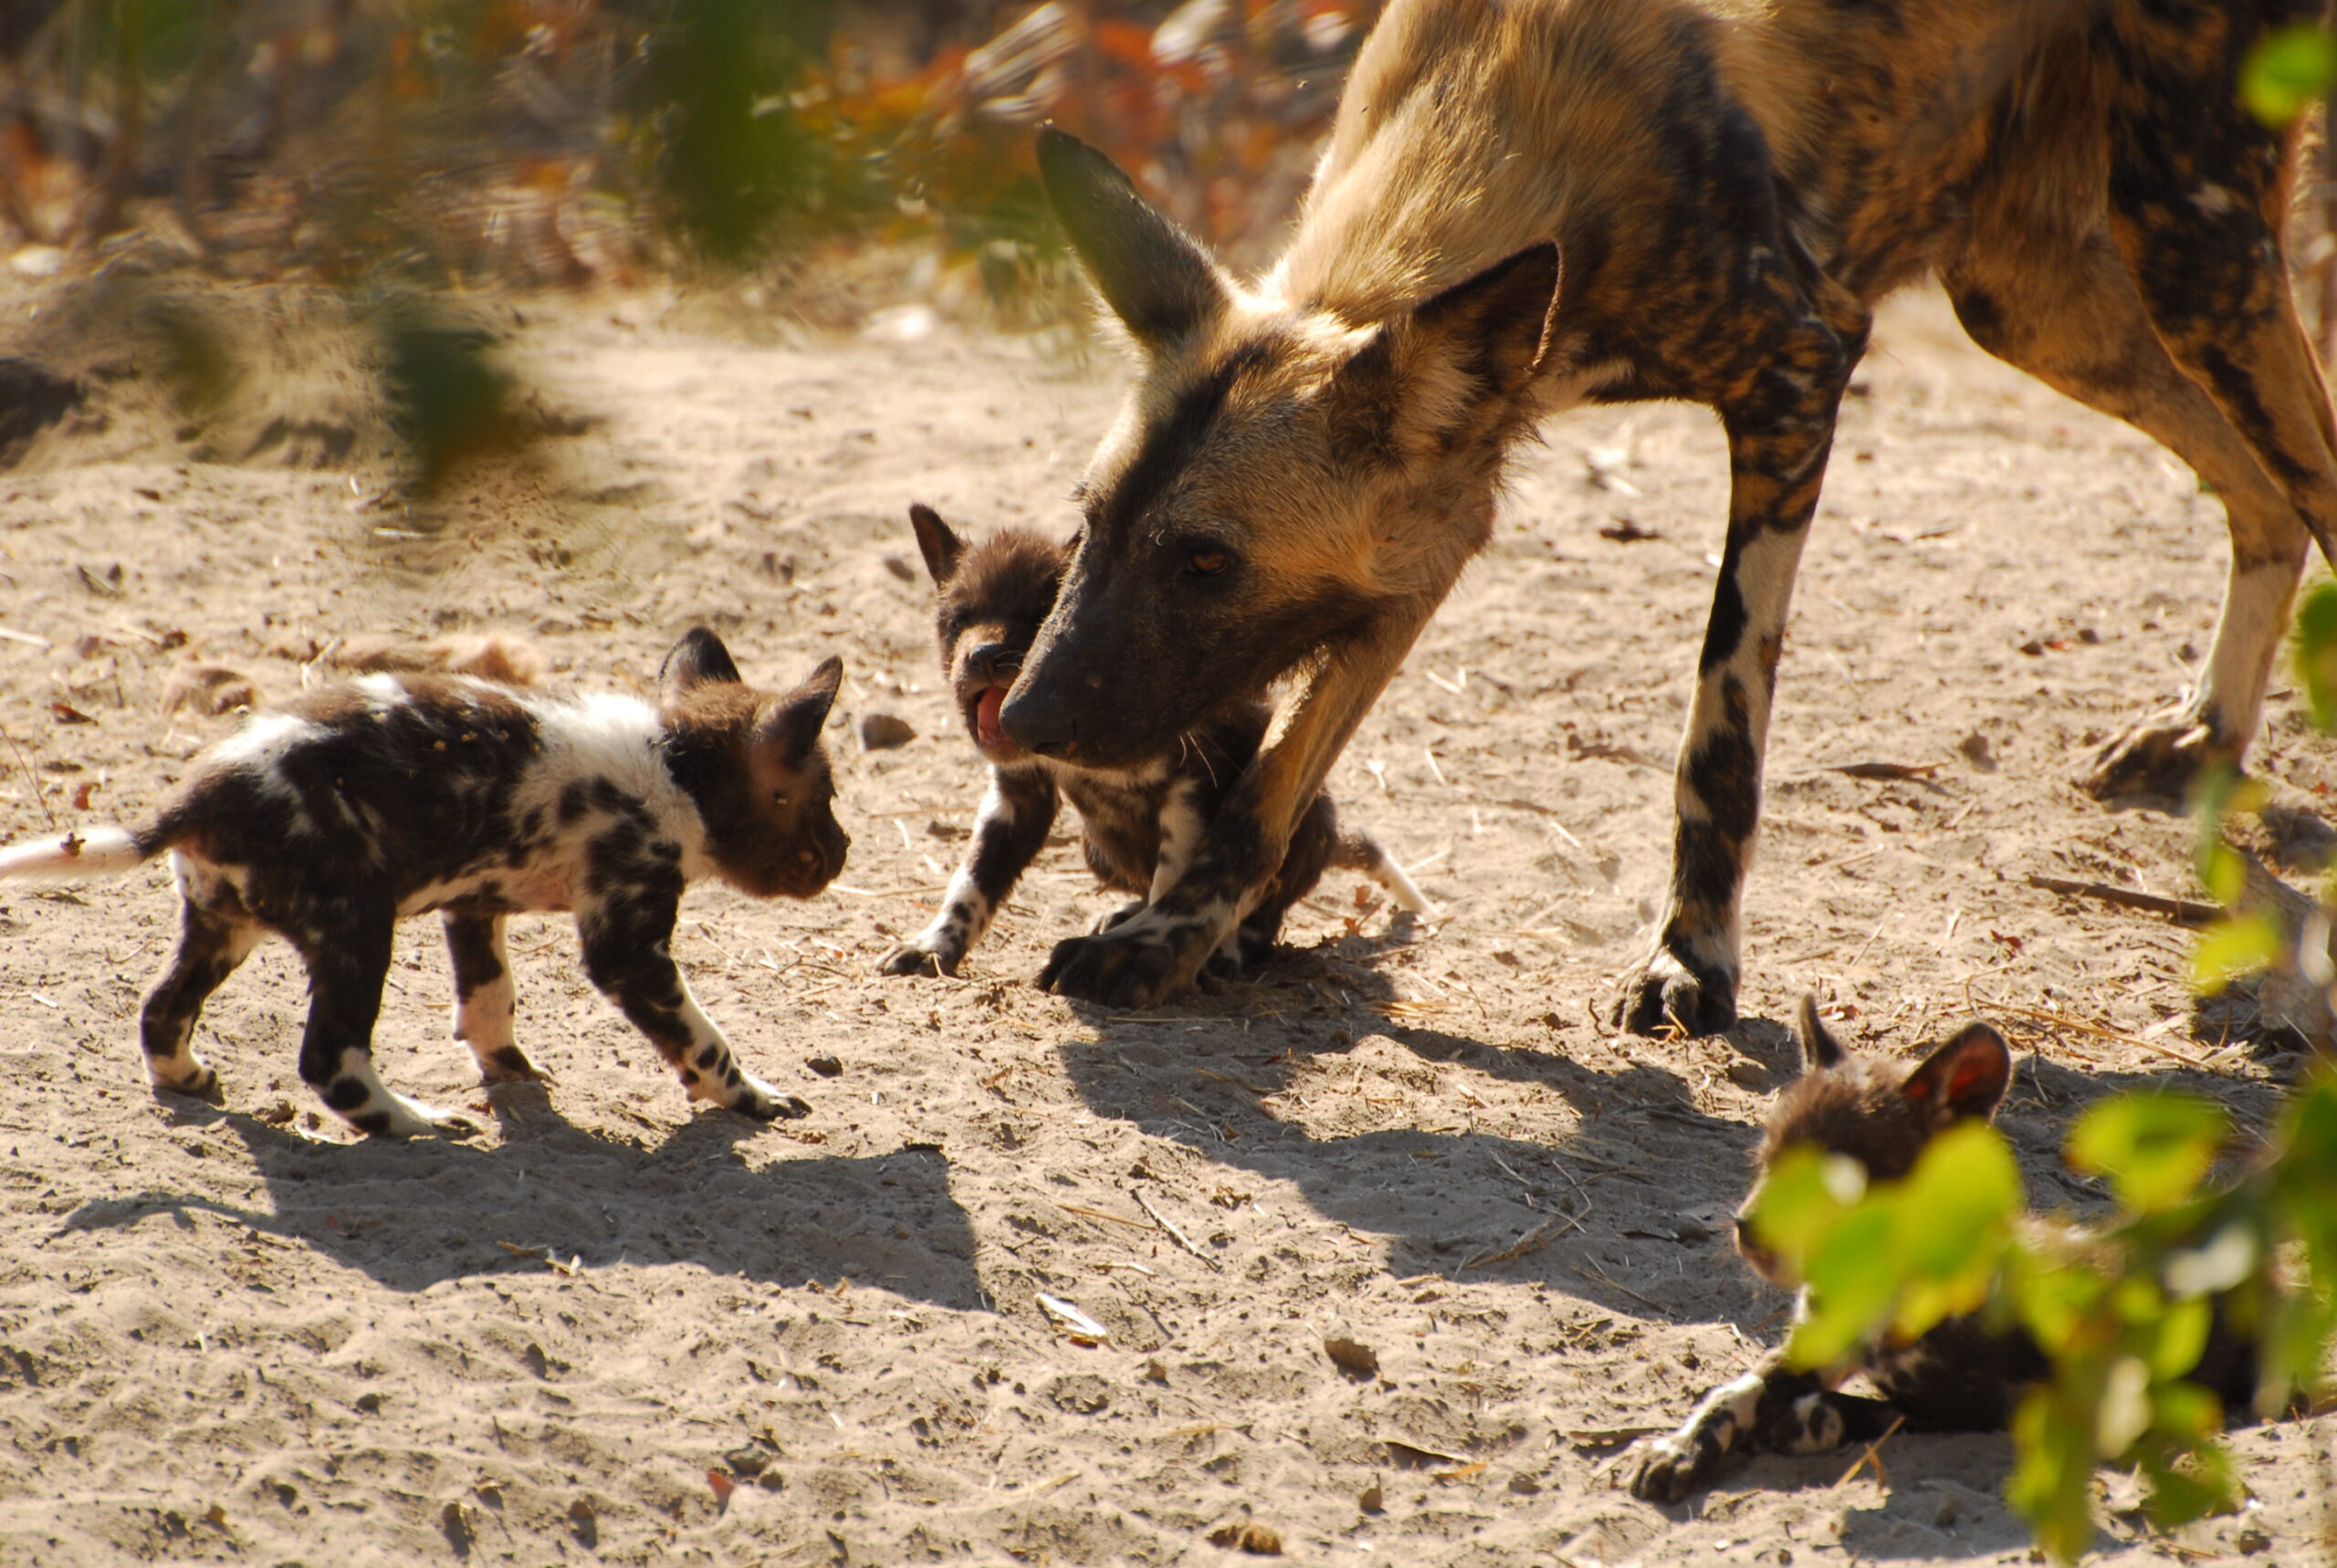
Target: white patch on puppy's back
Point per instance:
(608, 737)
(263, 742)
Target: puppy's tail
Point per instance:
(1360, 851)
(76, 855)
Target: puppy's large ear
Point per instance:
(1963, 1078)
(1820, 1050)
(698, 660)
(1156, 278)
(789, 726)
(1452, 367)
(940, 547)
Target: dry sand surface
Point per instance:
(232, 1333)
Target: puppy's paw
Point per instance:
(1665, 1469)
(914, 959)
(190, 1076)
(509, 1064)
(400, 1117)
(758, 1098)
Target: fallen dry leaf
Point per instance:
(1352, 1356)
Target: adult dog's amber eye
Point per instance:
(1207, 562)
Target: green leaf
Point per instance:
(2154, 1148)
(1966, 1186)
(2178, 1337)
(2316, 652)
(2288, 70)
(2052, 1484)
(2234, 948)
(1853, 1279)
(2188, 1412)
(1806, 1190)
(2221, 871)
(2190, 1486)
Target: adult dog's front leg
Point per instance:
(1779, 432)
(1156, 955)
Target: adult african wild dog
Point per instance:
(1525, 204)
(1961, 1376)
(1138, 824)
(327, 820)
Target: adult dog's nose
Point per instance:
(1038, 719)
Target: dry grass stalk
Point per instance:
(1179, 1237)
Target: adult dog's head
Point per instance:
(1279, 479)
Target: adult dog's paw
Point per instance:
(1664, 992)
(2159, 762)
(1132, 966)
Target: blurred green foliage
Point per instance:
(2286, 71)
(2120, 1311)
(565, 141)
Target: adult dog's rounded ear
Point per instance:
(699, 659)
(1965, 1078)
(1820, 1048)
(941, 547)
(790, 725)
(1156, 278)
(1454, 367)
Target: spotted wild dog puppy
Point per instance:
(1528, 205)
(1959, 1377)
(1140, 824)
(329, 819)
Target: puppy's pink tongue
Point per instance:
(986, 708)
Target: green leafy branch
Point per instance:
(2122, 1313)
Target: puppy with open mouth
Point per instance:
(1140, 824)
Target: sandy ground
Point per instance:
(235, 1334)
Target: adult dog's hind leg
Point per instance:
(2198, 189)
(213, 940)
(2068, 311)
(1780, 426)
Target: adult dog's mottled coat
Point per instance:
(1725, 187)
(1139, 824)
(329, 819)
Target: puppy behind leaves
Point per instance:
(1140, 825)
(1961, 1376)
(329, 819)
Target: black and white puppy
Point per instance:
(1140, 825)
(329, 819)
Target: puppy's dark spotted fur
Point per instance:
(1961, 1376)
(327, 821)
(1140, 824)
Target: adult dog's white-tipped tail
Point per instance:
(70, 857)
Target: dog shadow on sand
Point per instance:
(413, 1215)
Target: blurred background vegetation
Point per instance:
(574, 143)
